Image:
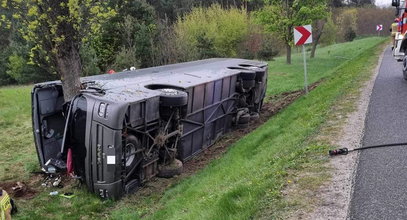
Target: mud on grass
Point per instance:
(29, 189)
(23, 190)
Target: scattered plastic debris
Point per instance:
(52, 180)
(57, 163)
(51, 169)
(54, 193)
(57, 181)
(68, 195)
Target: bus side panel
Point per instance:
(209, 115)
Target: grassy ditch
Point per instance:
(246, 181)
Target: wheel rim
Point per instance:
(170, 92)
(130, 151)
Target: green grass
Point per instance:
(17, 152)
(285, 78)
(245, 182)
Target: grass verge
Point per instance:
(302, 191)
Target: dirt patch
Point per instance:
(18, 190)
(30, 188)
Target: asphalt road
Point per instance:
(380, 190)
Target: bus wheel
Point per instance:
(171, 170)
(173, 97)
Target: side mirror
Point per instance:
(395, 3)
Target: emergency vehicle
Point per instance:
(399, 32)
(400, 39)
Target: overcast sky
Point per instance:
(383, 3)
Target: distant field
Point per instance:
(236, 186)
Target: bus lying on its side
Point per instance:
(123, 129)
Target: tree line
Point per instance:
(45, 40)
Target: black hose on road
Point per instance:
(344, 151)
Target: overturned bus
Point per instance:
(126, 128)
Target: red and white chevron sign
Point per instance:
(303, 35)
(379, 27)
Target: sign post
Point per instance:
(305, 70)
(302, 36)
(379, 28)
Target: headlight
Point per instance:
(102, 110)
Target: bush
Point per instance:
(205, 47)
(134, 28)
(347, 23)
(89, 60)
(252, 43)
(259, 45)
(23, 72)
(5, 79)
(125, 59)
(165, 50)
(222, 29)
(268, 50)
(350, 34)
(329, 33)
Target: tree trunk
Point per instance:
(69, 67)
(314, 46)
(288, 47)
(287, 42)
(317, 38)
